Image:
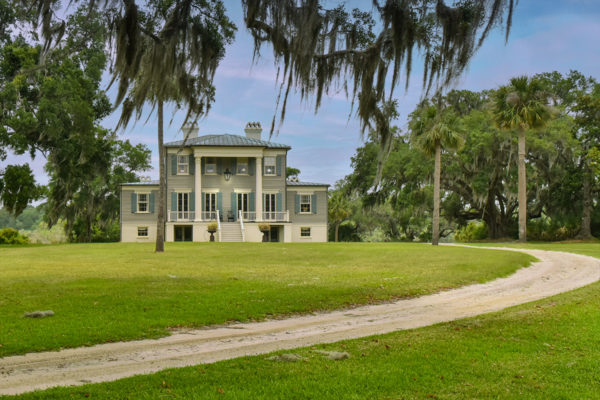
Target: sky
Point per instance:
(547, 35)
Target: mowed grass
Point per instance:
(548, 349)
(588, 248)
(114, 292)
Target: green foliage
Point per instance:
(292, 173)
(18, 188)
(212, 227)
(12, 236)
(551, 230)
(42, 234)
(474, 231)
(29, 218)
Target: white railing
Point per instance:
(175, 216)
(272, 216)
(282, 216)
(209, 215)
(241, 219)
(218, 225)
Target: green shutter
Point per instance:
(278, 165)
(220, 203)
(192, 164)
(173, 201)
(297, 203)
(173, 164)
(192, 201)
(151, 202)
(251, 201)
(279, 200)
(219, 166)
(133, 202)
(251, 166)
(203, 200)
(313, 206)
(234, 205)
(202, 165)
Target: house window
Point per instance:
(210, 166)
(142, 231)
(183, 206)
(142, 202)
(305, 203)
(242, 166)
(304, 232)
(270, 168)
(183, 165)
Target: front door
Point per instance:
(183, 206)
(242, 203)
(270, 206)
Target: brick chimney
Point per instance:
(253, 130)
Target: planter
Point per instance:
(212, 236)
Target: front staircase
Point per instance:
(231, 232)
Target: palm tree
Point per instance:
(432, 129)
(520, 106)
(339, 210)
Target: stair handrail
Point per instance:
(241, 219)
(219, 225)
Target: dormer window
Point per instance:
(270, 166)
(210, 167)
(183, 166)
(242, 166)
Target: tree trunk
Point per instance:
(162, 191)
(436, 194)
(337, 230)
(522, 194)
(586, 216)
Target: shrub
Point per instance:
(12, 236)
(212, 227)
(264, 227)
(548, 230)
(472, 232)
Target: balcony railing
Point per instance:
(269, 216)
(178, 216)
(210, 215)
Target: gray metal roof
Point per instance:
(227, 140)
(147, 183)
(292, 183)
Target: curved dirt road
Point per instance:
(555, 273)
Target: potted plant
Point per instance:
(212, 228)
(264, 228)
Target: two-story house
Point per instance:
(239, 182)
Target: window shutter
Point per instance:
(203, 200)
(297, 203)
(251, 166)
(192, 201)
(133, 203)
(313, 206)
(234, 205)
(220, 203)
(233, 166)
(251, 200)
(202, 165)
(278, 165)
(279, 201)
(219, 166)
(192, 165)
(173, 164)
(173, 201)
(151, 202)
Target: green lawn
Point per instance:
(543, 350)
(591, 248)
(115, 292)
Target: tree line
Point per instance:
(551, 120)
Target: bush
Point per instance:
(212, 227)
(12, 236)
(548, 230)
(472, 232)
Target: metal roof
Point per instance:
(147, 183)
(227, 140)
(293, 183)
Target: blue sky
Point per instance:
(547, 35)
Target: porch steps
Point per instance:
(231, 232)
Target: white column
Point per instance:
(259, 193)
(198, 188)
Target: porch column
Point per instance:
(259, 192)
(198, 189)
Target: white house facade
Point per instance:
(236, 182)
